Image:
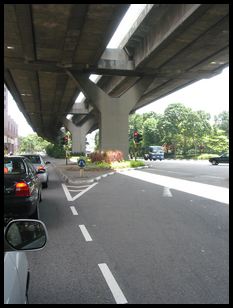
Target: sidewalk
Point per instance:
(70, 173)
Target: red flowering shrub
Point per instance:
(96, 157)
(106, 156)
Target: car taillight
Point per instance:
(41, 168)
(22, 189)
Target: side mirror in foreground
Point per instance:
(25, 234)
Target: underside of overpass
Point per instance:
(49, 47)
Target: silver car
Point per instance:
(41, 166)
(20, 235)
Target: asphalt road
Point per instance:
(197, 171)
(130, 241)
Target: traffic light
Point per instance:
(65, 140)
(137, 137)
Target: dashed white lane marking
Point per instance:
(85, 233)
(68, 195)
(166, 192)
(73, 209)
(113, 286)
(216, 193)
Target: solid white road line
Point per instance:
(216, 193)
(73, 209)
(66, 191)
(113, 286)
(85, 233)
(84, 191)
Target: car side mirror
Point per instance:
(25, 234)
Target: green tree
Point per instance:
(216, 142)
(169, 125)
(32, 143)
(135, 123)
(222, 122)
(151, 135)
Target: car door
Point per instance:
(225, 158)
(15, 277)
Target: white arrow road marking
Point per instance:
(113, 286)
(68, 195)
(166, 192)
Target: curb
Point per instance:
(96, 179)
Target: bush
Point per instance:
(106, 156)
(96, 157)
(134, 164)
(56, 151)
(78, 154)
(207, 156)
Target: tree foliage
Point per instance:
(182, 130)
(222, 122)
(32, 143)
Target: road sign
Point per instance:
(81, 163)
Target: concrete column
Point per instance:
(114, 112)
(78, 134)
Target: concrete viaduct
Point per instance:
(51, 49)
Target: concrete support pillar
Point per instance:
(114, 112)
(78, 134)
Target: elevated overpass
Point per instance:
(51, 49)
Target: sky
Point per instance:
(210, 95)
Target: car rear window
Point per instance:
(34, 159)
(13, 166)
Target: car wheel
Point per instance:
(214, 162)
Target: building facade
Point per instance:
(10, 128)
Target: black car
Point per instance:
(22, 188)
(224, 158)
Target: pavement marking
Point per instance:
(113, 286)
(176, 172)
(85, 233)
(78, 186)
(166, 192)
(212, 176)
(216, 193)
(68, 195)
(73, 209)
